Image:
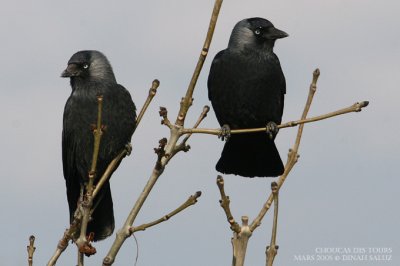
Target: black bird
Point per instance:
(91, 75)
(247, 87)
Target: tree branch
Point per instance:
(292, 156)
(187, 100)
(152, 92)
(31, 249)
(183, 146)
(170, 147)
(82, 242)
(239, 242)
(189, 202)
(225, 202)
(356, 107)
(272, 249)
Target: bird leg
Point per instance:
(271, 129)
(225, 133)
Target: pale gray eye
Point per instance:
(85, 66)
(257, 31)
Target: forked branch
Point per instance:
(170, 148)
(189, 202)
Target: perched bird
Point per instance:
(91, 75)
(247, 87)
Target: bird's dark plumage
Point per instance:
(91, 74)
(246, 87)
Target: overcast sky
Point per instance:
(343, 193)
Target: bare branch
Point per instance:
(170, 147)
(239, 242)
(272, 249)
(224, 202)
(203, 115)
(183, 146)
(63, 243)
(189, 202)
(356, 107)
(152, 93)
(164, 114)
(31, 249)
(111, 168)
(292, 156)
(187, 100)
(82, 242)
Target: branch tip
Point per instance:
(155, 84)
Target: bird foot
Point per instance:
(225, 133)
(271, 129)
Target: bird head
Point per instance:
(255, 33)
(89, 65)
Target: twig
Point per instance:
(152, 92)
(183, 146)
(63, 243)
(292, 156)
(31, 249)
(170, 147)
(272, 249)
(82, 242)
(187, 100)
(224, 202)
(356, 107)
(189, 202)
(111, 168)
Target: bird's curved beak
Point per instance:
(277, 34)
(72, 70)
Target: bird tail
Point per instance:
(250, 155)
(102, 223)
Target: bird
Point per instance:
(91, 75)
(247, 87)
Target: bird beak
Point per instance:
(71, 71)
(277, 34)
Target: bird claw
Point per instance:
(225, 133)
(271, 129)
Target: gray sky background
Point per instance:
(342, 193)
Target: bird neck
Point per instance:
(90, 87)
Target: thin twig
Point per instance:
(183, 146)
(272, 249)
(63, 243)
(152, 92)
(111, 168)
(187, 100)
(189, 202)
(356, 107)
(82, 242)
(293, 156)
(31, 249)
(225, 202)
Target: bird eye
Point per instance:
(85, 66)
(258, 31)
